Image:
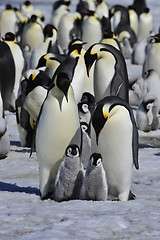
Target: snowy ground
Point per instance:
(24, 216)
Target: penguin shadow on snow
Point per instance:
(10, 187)
(21, 149)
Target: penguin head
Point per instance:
(27, 3)
(89, 99)
(72, 151)
(49, 30)
(9, 36)
(90, 57)
(83, 107)
(33, 18)
(63, 81)
(96, 159)
(155, 38)
(75, 45)
(105, 109)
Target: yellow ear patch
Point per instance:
(45, 57)
(33, 76)
(105, 111)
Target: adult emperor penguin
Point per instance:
(58, 13)
(146, 26)
(32, 33)
(50, 36)
(19, 62)
(110, 72)
(102, 9)
(94, 186)
(8, 20)
(33, 91)
(69, 177)
(58, 127)
(115, 136)
(68, 29)
(152, 60)
(27, 9)
(91, 29)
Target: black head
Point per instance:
(27, 3)
(48, 30)
(33, 18)
(75, 44)
(95, 159)
(9, 36)
(63, 82)
(72, 151)
(89, 58)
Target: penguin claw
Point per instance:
(131, 196)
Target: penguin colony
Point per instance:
(69, 84)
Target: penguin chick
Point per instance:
(86, 144)
(69, 176)
(95, 184)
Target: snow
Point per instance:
(24, 216)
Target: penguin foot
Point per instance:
(131, 196)
(48, 196)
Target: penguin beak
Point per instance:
(89, 59)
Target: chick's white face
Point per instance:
(72, 152)
(95, 162)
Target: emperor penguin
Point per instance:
(109, 38)
(32, 33)
(139, 6)
(147, 114)
(4, 139)
(8, 21)
(102, 9)
(133, 17)
(139, 52)
(85, 144)
(69, 177)
(27, 9)
(95, 186)
(58, 126)
(115, 136)
(91, 29)
(19, 62)
(68, 29)
(32, 92)
(146, 26)
(50, 36)
(58, 13)
(152, 60)
(110, 72)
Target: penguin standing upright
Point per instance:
(115, 136)
(146, 26)
(58, 127)
(32, 33)
(94, 186)
(58, 13)
(68, 29)
(69, 177)
(27, 9)
(110, 72)
(91, 29)
(8, 21)
(19, 62)
(50, 36)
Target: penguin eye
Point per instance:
(99, 161)
(85, 107)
